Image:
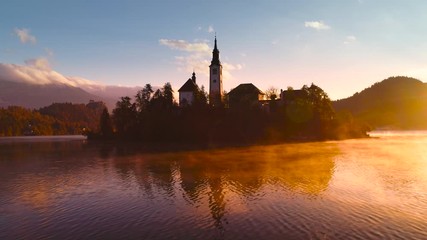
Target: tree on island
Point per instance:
(154, 116)
(124, 117)
(272, 93)
(143, 97)
(106, 126)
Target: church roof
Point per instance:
(245, 88)
(189, 86)
(292, 94)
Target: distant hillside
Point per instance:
(396, 102)
(56, 119)
(36, 96)
(85, 115)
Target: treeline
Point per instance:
(395, 103)
(155, 117)
(56, 119)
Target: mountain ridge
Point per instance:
(34, 96)
(394, 103)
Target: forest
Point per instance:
(154, 116)
(394, 103)
(55, 119)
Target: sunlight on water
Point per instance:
(353, 189)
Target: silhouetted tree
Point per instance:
(157, 101)
(323, 113)
(200, 98)
(272, 93)
(225, 100)
(155, 117)
(162, 99)
(143, 97)
(168, 95)
(124, 117)
(105, 124)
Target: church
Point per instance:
(188, 90)
(244, 94)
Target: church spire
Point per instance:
(215, 78)
(215, 55)
(193, 77)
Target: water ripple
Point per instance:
(355, 189)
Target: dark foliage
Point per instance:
(155, 117)
(396, 103)
(56, 119)
(105, 124)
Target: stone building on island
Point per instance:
(243, 94)
(215, 79)
(187, 91)
(246, 94)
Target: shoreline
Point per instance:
(42, 138)
(157, 147)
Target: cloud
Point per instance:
(209, 29)
(183, 45)
(39, 63)
(197, 57)
(37, 71)
(318, 25)
(192, 62)
(350, 39)
(231, 67)
(201, 65)
(36, 75)
(196, 54)
(228, 68)
(25, 36)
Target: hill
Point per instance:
(394, 103)
(35, 96)
(55, 119)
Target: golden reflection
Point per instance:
(378, 184)
(36, 195)
(392, 168)
(218, 174)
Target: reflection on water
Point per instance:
(372, 188)
(208, 177)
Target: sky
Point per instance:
(343, 46)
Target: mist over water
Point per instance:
(354, 189)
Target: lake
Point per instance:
(68, 188)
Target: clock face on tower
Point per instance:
(214, 71)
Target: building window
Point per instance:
(214, 80)
(214, 71)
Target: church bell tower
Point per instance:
(215, 79)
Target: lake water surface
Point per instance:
(67, 188)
